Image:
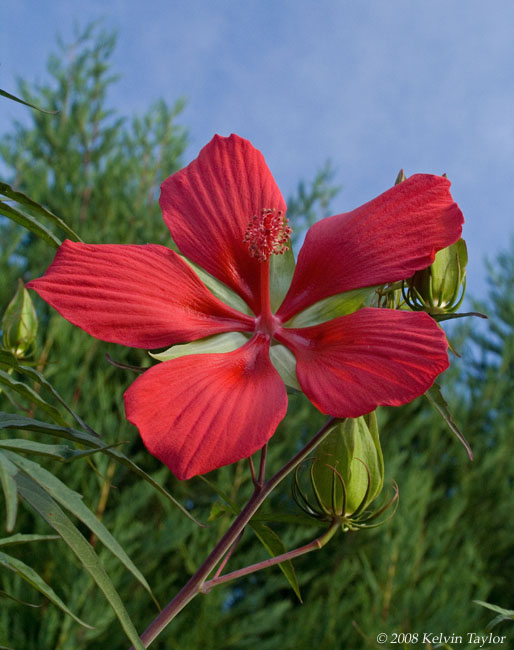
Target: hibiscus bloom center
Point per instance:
(268, 233)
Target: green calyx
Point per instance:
(19, 324)
(440, 288)
(346, 475)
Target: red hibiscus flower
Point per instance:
(198, 412)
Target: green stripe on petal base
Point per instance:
(220, 290)
(281, 271)
(226, 342)
(324, 310)
(284, 362)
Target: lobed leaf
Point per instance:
(33, 578)
(58, 452)
(43, 503)
(7, 472)
(30, 223)
(20, 538)
(13, 421)
(436, 399)
(73, 502)
(4, 93)
(274, 545)
(30, 394)
(38, 209)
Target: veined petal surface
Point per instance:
(208, 205)
(384, 240)
(373, 357)
(200, 412)
(140, 296)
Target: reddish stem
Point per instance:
(196, 582)
(315, 545)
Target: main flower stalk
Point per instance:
(194, 585)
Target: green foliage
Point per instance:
(448, 544)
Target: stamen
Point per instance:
(267, 234)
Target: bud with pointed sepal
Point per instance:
(346, 475)
(439, 289)
(19, 324)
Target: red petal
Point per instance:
(385, 240)
(373, 357)
(201, 412)
(141, 296)
(208, 206)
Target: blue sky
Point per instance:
(373, 86)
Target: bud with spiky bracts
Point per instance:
(346, 476)
(440, 288)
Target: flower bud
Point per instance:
(19, 324)
(353, 450)
(436, 289)
(347, 474)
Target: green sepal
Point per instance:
(324, 310)
(353, 450)
(19, 323)
(219, 289)
(440, 287)
(284, 362)
(281, 271)
(226, 342)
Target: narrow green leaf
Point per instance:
(7, 472)
(53, 515)
(226, 342)
(8, 359)
(63, 453)
(13, 421)
(274, 545)
(29, 575)
(508, 613)
(332, 307)
(4, 93)
(38, 209)
(4, 594)
(30, 223)
(20, 538)
(30, 394)
(436, 399)
(73, 502)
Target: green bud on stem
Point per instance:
(19, 324)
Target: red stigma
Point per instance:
(267, 234)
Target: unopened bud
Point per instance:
(19, 324)
(439, 289)
(347, 474)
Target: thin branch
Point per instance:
(252, 470)
(228, 555)
(315, 545)
(262, 468)
(195, 583)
